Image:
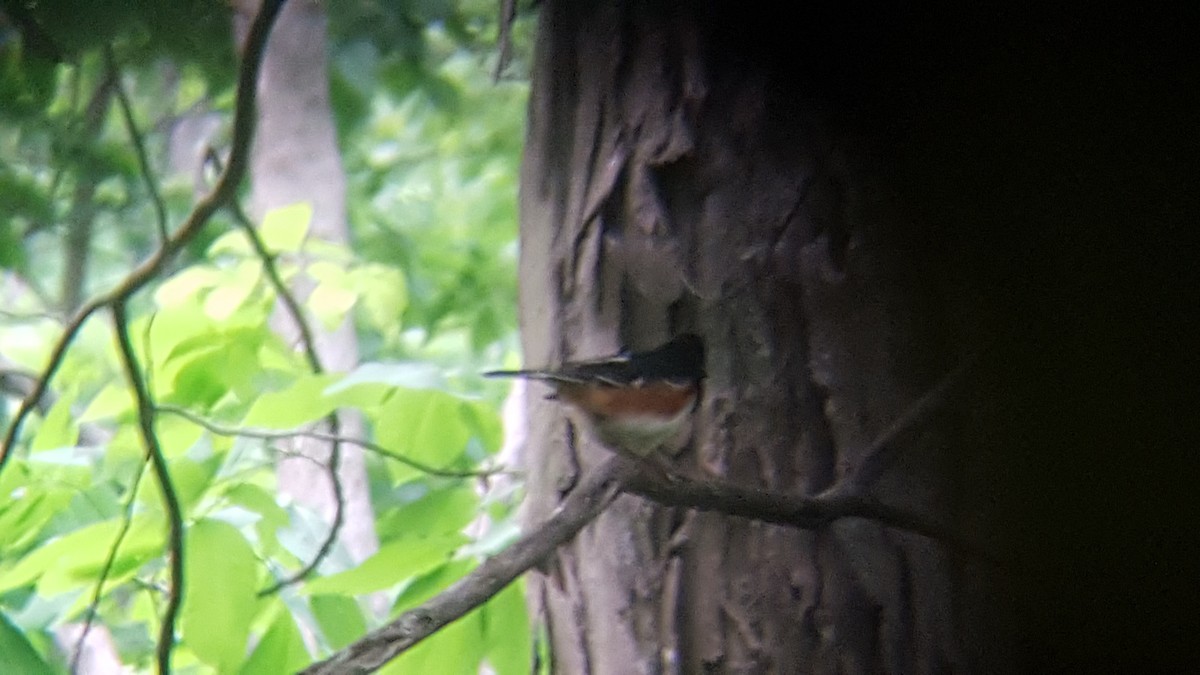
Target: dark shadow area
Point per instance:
(1046, 157)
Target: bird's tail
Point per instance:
(527, 374)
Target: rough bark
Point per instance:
(676, 179)
(295, 159)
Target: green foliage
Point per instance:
(432, 184)
(17, 655)
(430, 147)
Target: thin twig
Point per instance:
(281, 289)
(309, 344)
(162, 473)
(109, 560)
(270, 435)
(222, 192)
(36, 40)
(884, 450)
(582, 505)
(508, 15)
(314, 362)
(19, 382)
(139, 144)
(30, 316)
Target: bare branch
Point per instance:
(271, 434)
(806, 513)
(309, 344)
(29, 316)
(583, 505)
(884, 450)
(109, 560)
(19, 382)
(508, 15)
(339, 517)
(580, 507)
(139, 145)
(281, 289)
(222, 192)
(37, 40)
(314, 362)
(158, 462)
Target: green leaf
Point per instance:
(114, 400)
(506, 632)
(221, 580)
(232, 242)
(65, 561)
(483, 422)
(284, 228)
(191, 479)
(430, 584)
(183, 288)
(58, 429)
(340, 618)
(300, 403)
(383, 292)
(281, 649)
(202, 369)
(334, 294)
(17, 655)
(232, 290)
(424, 425)
(393, 563)
(364, 395)
(437, 513)
(12, 254)
(23, 516)
(177, 328)
(273, 516)
(177, 435)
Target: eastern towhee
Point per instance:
(634, 402)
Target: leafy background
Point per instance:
(430, 143)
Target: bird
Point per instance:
(633, 402)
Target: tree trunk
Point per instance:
(295, 159)
(77, 244)
(679, 176)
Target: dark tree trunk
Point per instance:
(849, 201)
(680, 176)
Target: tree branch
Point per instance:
(109, 560)
(271, 434)
(222, 192)
(806, 513)
(20, 382)
(139, 144)
(584, 504)
(334, 437)
(158, 462)
(884, 450)
(309, 344)
(581, 506)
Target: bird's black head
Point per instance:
(682, 357)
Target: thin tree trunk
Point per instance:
(296, 160)
(77, 249)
